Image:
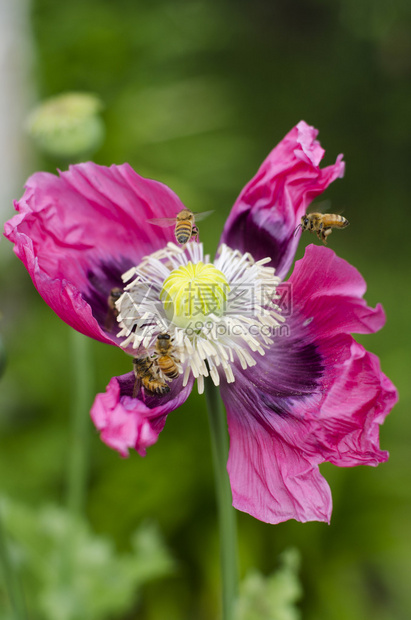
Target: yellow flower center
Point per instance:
(193, 292)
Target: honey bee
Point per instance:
(165, 357)
(145, 373)
(112, 312)
(322, 224)
(184, 222)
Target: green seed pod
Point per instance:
(67, 126)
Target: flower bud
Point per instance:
(67, 126)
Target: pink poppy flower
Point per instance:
(298, 389)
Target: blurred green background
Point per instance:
(196, 93)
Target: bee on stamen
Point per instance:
(165, 356)
(145, 375)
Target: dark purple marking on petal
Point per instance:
(264, 217)
(250, 235)
(271, 478)
(101, 281)
(292, 369)
(126, 383)
(290, 373)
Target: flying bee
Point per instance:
(112, 312)
(184, 222)
(165, 356)
(145, 374)
(322, 224)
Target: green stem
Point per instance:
(81, 379)
(11, 580)
(227, 517)
(81, 395)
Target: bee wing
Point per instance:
(164, 222)
(319, 207)
(323, 207)
(202, 215)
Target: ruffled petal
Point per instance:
(280, 433)
(315, 396)
(345, 429)
(271, 478)
(127, 422)
(80, 231)
(328, 292)
(266, 213)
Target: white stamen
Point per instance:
(186, 375)
(214, 375)
(200, 384)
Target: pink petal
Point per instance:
(327, 292)
(266, 213)
(270, 477)
(127, 422)
(78, 232)
(278, 439)
(315, 396)
(345, 429)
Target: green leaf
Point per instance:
(69, 573)
(273, 597)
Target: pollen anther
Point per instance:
(193, 292)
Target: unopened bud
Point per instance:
(68, 126)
